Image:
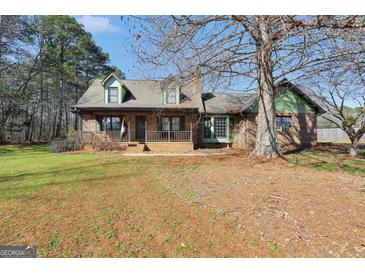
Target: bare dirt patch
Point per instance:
(293, 210)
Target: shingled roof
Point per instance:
(147, 94)
(141, 94)
(225, 103)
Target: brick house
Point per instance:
(162, 116)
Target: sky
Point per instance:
(111, 34)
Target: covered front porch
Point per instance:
(139, 127)
(149, 136)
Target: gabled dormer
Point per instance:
(114, 89)
(171, 92)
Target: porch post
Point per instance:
(191, 129)
(129, 126)
(104, 137)
(80, 126)
(129, 130)
(145, 129)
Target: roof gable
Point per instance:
(110, 76)
(303, 94)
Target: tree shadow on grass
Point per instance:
(24, 192)
(40, 174)
(330, 157)
(18, 150)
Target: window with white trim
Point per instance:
(112, 95)
(171, 96)
(220, 127)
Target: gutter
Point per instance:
(78, 109)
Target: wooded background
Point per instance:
(46, 64)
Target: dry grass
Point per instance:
(107, 205)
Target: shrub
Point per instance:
(106, 146)
(70, 143)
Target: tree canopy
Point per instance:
(46, 64)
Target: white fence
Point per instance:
(333, 135)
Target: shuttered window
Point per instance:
(231, 127)
(207, 126)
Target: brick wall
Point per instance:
(239, 132)
(303, 131)
(169, 147)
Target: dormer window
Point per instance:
(112, 95)
(171, 96)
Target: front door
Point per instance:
(140, 128)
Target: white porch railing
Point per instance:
(168, 136)
(150, 136)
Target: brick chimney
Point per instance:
(198, 85)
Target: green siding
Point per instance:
(112, 82)
(287, 101)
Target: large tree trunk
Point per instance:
(354, 147)
(266, 130)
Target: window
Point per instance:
(207, 130)
(111, 123)
(283, 123)
(220, 127)
(113, 95)
(165, 124)
(171, 96)
(171, 123)
(175, 123)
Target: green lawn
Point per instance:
(326, 161)
(103, 205)
(29, 168)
